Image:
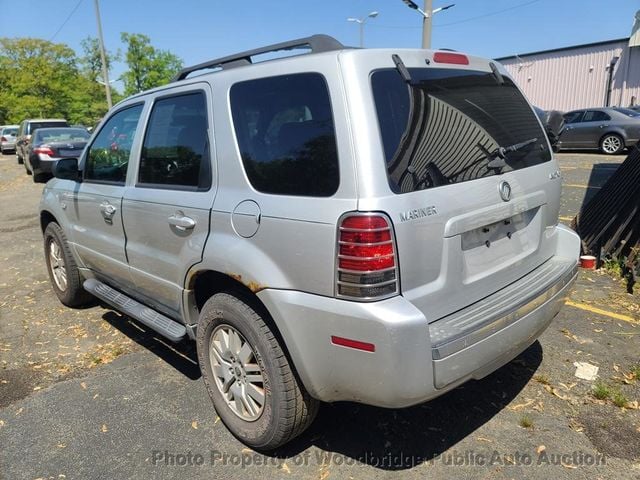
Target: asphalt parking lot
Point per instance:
(90, 394)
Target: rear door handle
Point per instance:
(181, 221)
(604, 126)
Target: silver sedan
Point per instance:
(610, 130)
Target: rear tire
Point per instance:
(611, 144)
(65, 277)
(285, 410)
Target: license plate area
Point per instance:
(491, 235)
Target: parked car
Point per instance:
(553, 123)
(610, 130)
(8, 138)
(369, 227)
(51, 144)
(27, 127)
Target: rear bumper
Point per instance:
(39, 165)
(410, 363)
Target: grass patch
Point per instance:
(618, 398)
(613, 266)
(525, 421)
(543, 379)
(635, 371)
(601, 390)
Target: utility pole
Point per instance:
(426, 23)
(361, 22)
(103, 57)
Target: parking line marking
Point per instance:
(589, 308)
(576, 185)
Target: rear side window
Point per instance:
(286, 136)
(175, 152)
(572, 117)
(595, 116)
(108, 155)
(449, 125)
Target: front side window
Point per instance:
(108, 156)
(175, 152)
(595, 116)
(450, 126)
(286, 136)
(572, 117)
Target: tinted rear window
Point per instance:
(9, 131)
(284, 127)
(37, 125)
(447, 126)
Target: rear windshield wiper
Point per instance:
(497, 158)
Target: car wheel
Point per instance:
(254, 389)
(40, 178)
(611, 144)
(63, 271)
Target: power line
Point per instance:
(404, 27)
(66, 20)
(488, 14)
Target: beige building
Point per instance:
(591, 75)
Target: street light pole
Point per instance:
(426, 24)
(103, 57)
(361, 22)
(427, 16)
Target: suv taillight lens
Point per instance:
(3, 139)
(367, 267)
(43, 151)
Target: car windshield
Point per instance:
(449, 126)
(9, 131)
(51, 135)
(628, 112)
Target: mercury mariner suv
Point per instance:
(376, 226)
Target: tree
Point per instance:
(148, 66)
(37, 78)
(91, 62)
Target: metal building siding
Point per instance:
(564, 80)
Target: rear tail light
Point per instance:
(3, 139)
(43, 151)
(450, 57)
(367, 264)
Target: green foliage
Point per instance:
(148, 66)
(41, 79)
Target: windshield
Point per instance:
(9, 131)
(451, 125)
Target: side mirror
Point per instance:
(67, 169)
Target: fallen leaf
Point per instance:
(19, 411)
(597, 330)
(522, 405)
(326, 473)
(104, 429)
(61, 445)
(567, 387)
(194, 425)
(482, 439)
(83, 385)
(633, 405)
(554, 391)
(285, 467)
(95, 396)
(539, 407)
(616, 367)
(35, 389)
(540, 449)
(1, 423)
(217, 420)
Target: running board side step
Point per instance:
(166, 327)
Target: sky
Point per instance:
(200, 30)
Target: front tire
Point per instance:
(65, 277)
(254, 389)
(611, 144)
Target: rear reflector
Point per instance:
(449, 57)
(367, 261)
(346, 342)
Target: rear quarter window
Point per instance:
(286, 136)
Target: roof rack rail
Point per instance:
(316, 43)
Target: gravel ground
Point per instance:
(91, 394)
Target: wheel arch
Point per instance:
(618, 132)
(46, 217)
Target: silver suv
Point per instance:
(376, 226)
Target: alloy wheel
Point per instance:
(57, 265)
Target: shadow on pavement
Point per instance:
(401, 439)
(181, 356)
(600, 173)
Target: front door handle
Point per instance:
(181, 221)
(108, 211)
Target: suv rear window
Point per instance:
(284, 127)
(447, 126)
(36, 125)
